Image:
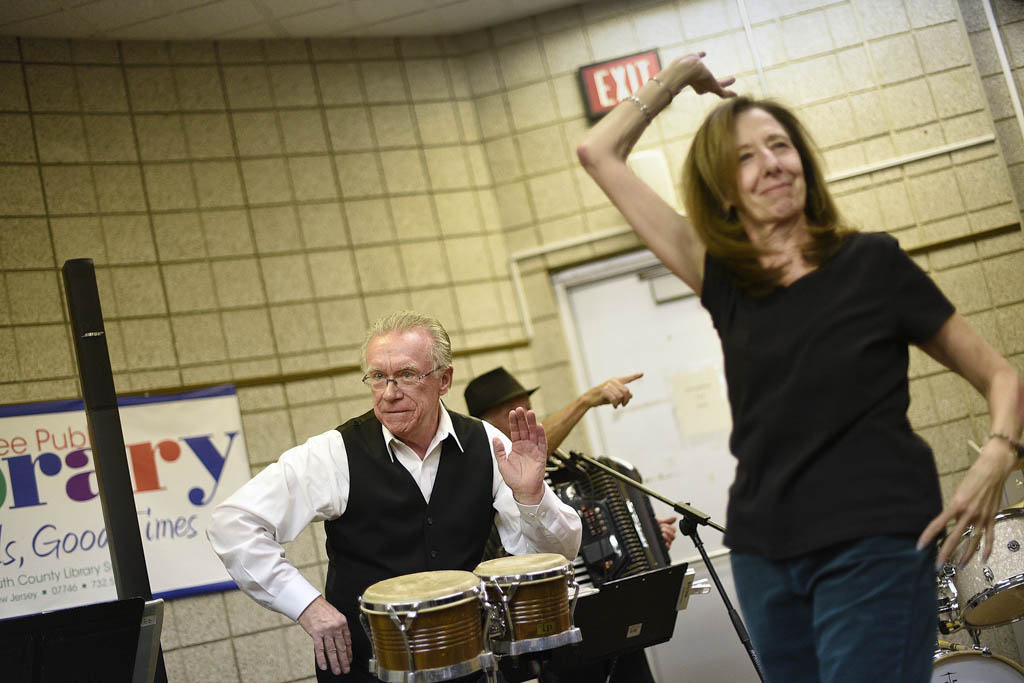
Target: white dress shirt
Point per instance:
(310, 483)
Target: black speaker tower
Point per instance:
(114, 481)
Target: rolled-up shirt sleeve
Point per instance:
(309, 483)
(551, 526)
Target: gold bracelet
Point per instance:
(643, 107)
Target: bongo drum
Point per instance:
(529, 595)
(425, 627)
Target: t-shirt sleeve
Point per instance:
(917, 304)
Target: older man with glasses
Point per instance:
(407, 487)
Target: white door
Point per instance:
(627, 314)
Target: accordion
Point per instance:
(621, 536)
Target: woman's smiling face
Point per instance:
(770, 175)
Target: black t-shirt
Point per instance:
(817, 382)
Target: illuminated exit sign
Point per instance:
(607, 83)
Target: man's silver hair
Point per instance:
(405, 321)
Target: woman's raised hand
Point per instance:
(696, 74)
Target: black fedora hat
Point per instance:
(491, 389)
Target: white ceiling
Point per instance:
(225, 19)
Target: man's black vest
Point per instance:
(389, 530)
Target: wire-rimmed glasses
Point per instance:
(407, 378)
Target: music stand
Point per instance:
(624, 615)
(99, 643)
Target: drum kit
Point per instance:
(442, 625)
(979, 596)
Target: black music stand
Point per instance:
(624, 615)
(99, 643)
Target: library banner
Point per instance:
(185, 453)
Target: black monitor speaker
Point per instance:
(101, 643)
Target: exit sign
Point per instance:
(605, 84)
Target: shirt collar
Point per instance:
(445, 428)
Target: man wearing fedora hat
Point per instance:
(492, 395)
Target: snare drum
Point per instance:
(973, 666)
(993, 594)
(530, 597)
(425, 627)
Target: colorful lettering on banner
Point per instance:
(23, 469)
(185, 453)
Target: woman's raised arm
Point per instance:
(603, 153)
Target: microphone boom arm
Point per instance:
(684, 509)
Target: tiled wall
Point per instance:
(251, 205)
(1009, 18)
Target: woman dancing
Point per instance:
(836, 505)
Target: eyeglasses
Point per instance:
(378, 381)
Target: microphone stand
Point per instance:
(690, 519)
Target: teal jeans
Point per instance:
(865, 610)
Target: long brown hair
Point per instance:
(711, 195)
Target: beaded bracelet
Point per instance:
(643, 107)
(1015, 445)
